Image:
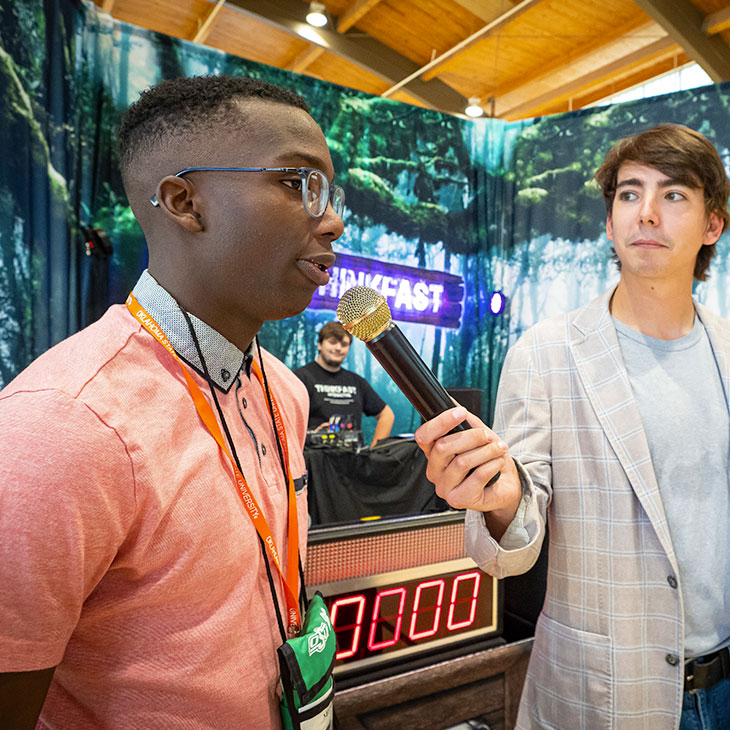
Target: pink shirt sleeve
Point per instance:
(66, 504)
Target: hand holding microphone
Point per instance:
(463, 454)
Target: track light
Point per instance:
(474, 108)
(316, 15)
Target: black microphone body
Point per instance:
(408, 371)
(414, 378)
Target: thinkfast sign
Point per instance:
(413, 295)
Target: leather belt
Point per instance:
(706, 671)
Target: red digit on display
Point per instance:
(356, 627)
(452, 625)
(375, 645)
(412, 633)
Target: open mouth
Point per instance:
(316, 270)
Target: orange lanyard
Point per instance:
(291, 578)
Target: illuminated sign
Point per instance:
(413, 295)
(399, 614)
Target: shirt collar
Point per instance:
(224, 360)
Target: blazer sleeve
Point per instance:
(523, 420)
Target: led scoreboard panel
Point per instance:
(394, 616)
(402, 594)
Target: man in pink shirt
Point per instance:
(136, 590)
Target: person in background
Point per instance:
(337, 395)
(612, 427)
(135, 588)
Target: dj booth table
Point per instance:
(389, 480)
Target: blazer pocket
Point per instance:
(569, 677)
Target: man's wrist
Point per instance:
(498, 520)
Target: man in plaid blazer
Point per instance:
(614, 430)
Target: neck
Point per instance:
(654, 308)
(325, 366)
(237, 330)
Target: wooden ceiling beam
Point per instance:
(305, 59)
(364, 51)
(717, 22)
(357, 10)
(433, 68)
(486, 10)
(631, 77)
(631, 42)
(344, 23)
(569, 88)
(683, 21)
(204, 27)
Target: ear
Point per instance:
(609, 227)
(713, 230)
(178, 199)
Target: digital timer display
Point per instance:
(402, 613)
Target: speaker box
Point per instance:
(470, 398)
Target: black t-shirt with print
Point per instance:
(343, 394)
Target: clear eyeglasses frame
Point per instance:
(316, 189)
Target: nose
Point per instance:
(330, 225)
(649, 212)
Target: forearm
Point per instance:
(498, 520)
(516, 549)
(495, 558)
(384, 424)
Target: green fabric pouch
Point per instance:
(306, 663)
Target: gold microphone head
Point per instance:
(363, 312)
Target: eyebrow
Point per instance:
(310, 160)
(635, 182)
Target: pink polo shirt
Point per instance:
(126, 556)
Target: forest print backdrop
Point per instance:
(505, 206)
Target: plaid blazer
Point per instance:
(608, 649)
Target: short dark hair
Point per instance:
(188, 103)
(334, 329)
(681, 154)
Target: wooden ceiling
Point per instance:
(522, 58)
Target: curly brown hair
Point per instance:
(682, 154)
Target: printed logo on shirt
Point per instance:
(335, 389)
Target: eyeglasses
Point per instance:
(316, 189)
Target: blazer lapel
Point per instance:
(598, 359)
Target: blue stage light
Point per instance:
(496, 303)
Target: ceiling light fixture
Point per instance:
(474, 108)
(316, 15)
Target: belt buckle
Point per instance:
(706, 674)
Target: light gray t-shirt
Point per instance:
(683, 408)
